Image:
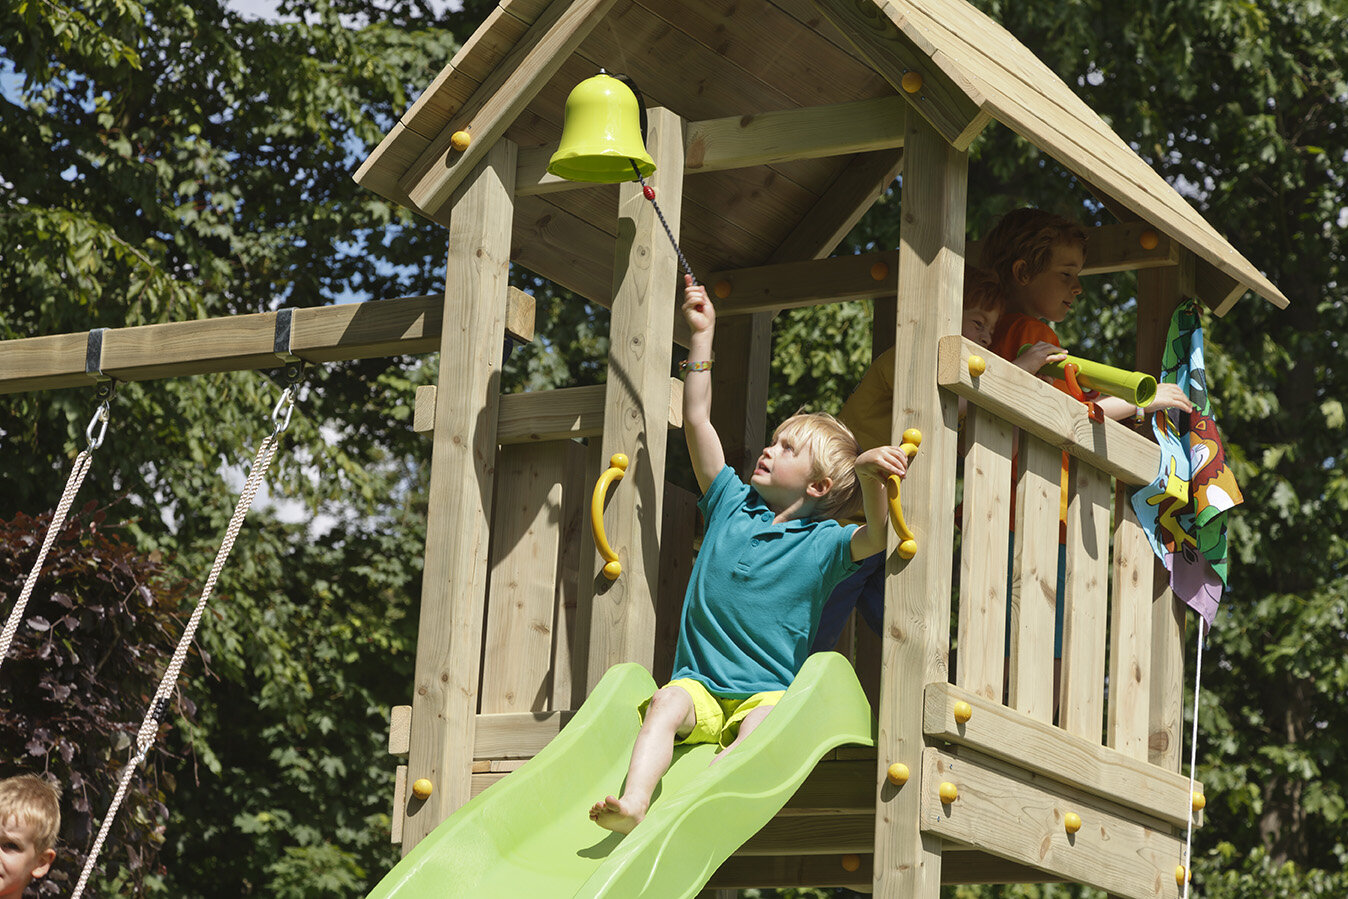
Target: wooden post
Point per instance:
(454, 579)
(917, 592)
(636, 405)
(1159, 292)
(740, 386)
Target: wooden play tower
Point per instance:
(775, 124)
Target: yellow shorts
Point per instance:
(718, 720)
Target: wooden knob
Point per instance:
(1148, 239)
(898, 774)
(1071, 822)
(912, 81)
(851, 862)
(722, 289)
(963, 711)
(977, 365)
(422, 788)
(949, 792)
(460, 140)
(879, 271)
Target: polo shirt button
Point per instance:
(754, 543)
(767, 516)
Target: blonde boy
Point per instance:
(30, 816)
(769, 558)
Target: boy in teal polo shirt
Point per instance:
(770, 556)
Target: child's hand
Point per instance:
(1039, 355)
(879, 463)
(697, 307)
(1169, 396)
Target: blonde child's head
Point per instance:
(984, 303)
(30, 817)
(833, 453)
(1028, 236)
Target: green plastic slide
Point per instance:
(530, 834)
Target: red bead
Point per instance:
(648, 191)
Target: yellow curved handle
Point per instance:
(617, 466)
(912, 439)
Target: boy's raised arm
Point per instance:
(873, 467)
(704, 445)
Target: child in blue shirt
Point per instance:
(770, 556)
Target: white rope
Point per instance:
(77, 473)
(149, 728)
(1193, 758)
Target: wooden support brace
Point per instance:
(545, 415)
(463, 455)
(242, 342)
(942, 95)
(1020, 817)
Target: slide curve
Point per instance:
(530, 834)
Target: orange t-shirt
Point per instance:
(1014, 330)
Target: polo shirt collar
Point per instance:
(757, 509)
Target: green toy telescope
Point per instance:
(1133, 386)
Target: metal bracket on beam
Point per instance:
(281, 342)
(93, 356)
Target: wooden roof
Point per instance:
(758, 81)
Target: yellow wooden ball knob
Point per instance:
(1181, 874)
(422, 788)
(898, 774)
(977, 365)
(1071, 822)
(613, 569)
(913, 436)
(912, 82)
(963, 711)
(949, 792)
(1200, 801)
(879, 271)
(722, 289)
(851, 862)
(907, 549)
(618, 461)
(1148, 239)
(460, 140)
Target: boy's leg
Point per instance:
(669, 716)
(751, 721)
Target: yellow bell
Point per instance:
(601, 134)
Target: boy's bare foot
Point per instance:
(617, 815)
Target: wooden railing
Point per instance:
(1104, 746)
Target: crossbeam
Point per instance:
(839, 279)
(742, 141)
(409, 325)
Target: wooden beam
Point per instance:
(944, 96)
(463, 455)
(545, 415)
(999, 732)
(243, 342)
(916, 633)
(1019, 816)
(862, 182)
(636, 404)
(1016, 396)
(516, 735)
(510, 87)
(864, 276)
(840, 129)
(742, 141)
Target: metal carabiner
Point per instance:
(101, 414)
(287, 401)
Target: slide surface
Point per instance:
(530, 834)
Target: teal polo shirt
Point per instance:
(756, 592)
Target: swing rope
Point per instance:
(149, 728)
(73, 482)
(1193, 758)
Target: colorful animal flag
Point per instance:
(1184, 510)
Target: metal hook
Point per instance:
(284, 406)
(101, 414)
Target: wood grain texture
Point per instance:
(463, 455)
(1128, 716)
(917, 592)
(984, 548)
(1034, 579)
(1081, 705)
